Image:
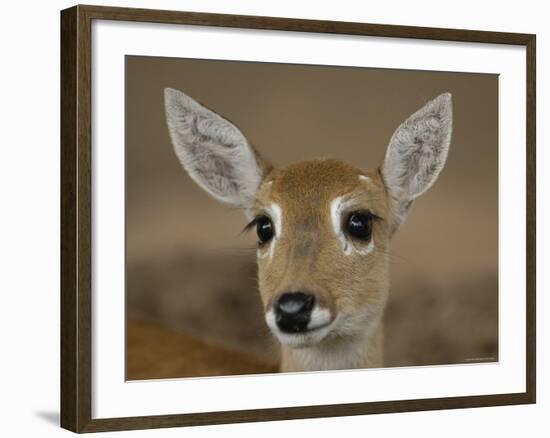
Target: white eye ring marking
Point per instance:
(367, 250)
(276, 214)
(337, 206)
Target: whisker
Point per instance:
(396, 259)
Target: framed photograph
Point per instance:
(269, 218)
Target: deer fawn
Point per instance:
(324, 227)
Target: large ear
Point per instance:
(417, 153)
(213, 151)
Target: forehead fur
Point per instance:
(309, 186)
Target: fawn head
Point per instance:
(324, 226)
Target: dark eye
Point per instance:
(264, 229)
(359, 226)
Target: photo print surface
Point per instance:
(286, 218)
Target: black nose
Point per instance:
(293, 311)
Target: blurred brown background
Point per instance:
(192, 304)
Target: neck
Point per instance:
(362, 351)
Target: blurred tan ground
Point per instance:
(190, 272)
(157, 353)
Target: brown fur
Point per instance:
(308, 256)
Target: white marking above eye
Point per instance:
(276, 215)
(364, 178)
(337, 206)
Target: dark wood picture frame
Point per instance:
(76, 187)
